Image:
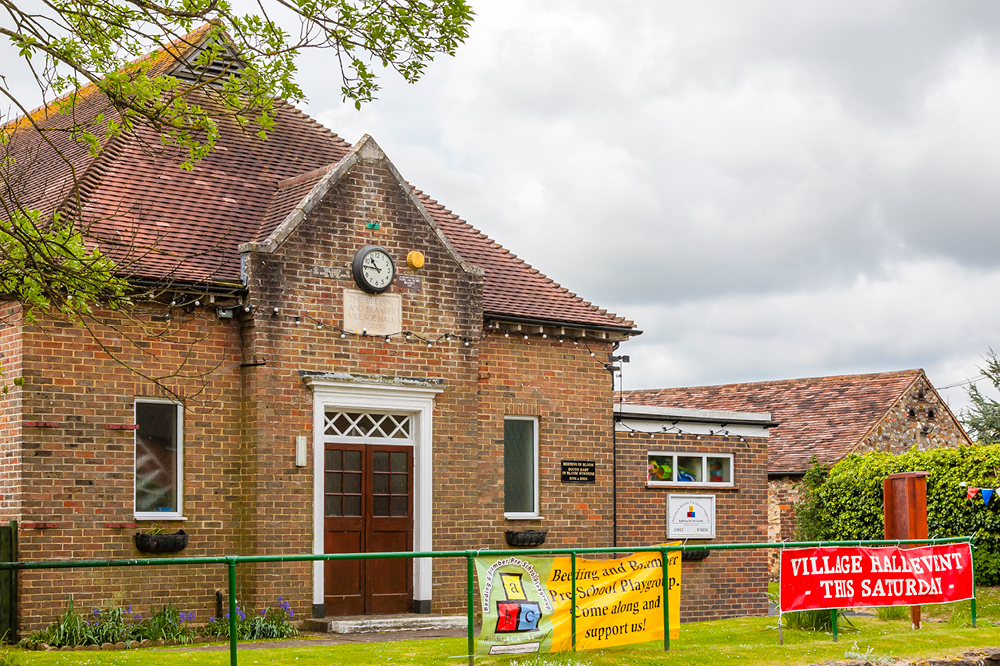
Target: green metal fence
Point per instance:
(231, 562)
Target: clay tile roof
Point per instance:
(824, 417)
(159, 222)
(513, 288)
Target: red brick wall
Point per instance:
(248, 402)
(726, 584)
(79, 474)
(10, 412)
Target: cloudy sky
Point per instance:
(769, 189)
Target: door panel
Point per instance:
(368, 505)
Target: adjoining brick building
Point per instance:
(351, 367)
(692, 461)
(825, 418)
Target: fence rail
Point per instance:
(231, 562)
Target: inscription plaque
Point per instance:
(379, 314)
(579, 471)
(409, 282)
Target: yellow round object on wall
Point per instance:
(415, 260)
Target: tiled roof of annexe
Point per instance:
(817, 416)
(160, 222)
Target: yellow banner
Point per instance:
(527, 602)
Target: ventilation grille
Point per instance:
(217, 71)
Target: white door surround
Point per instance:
(415, 397)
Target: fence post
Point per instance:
(666, 602)
(231, 565)
(972, 601)
(470, 603)
(572, 596)
(833, 622)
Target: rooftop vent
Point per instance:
(217, 70)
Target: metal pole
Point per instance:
(572, 597)
(470, 603)
(972, 601)
(231, 564)
(833, 620)
(666, 602)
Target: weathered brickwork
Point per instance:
(247, 402)
(11, 489)
(920, 418)
(782, 493)
(726, 584)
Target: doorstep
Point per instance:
(370, 624)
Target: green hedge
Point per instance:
(846, 503)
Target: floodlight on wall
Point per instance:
(301, 448)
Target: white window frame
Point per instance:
(521, 515)
(704, 470)
(161, 515)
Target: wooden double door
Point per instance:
(368, 508)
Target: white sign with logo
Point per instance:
(691, 516)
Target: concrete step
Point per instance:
(370, 624)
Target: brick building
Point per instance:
(348, 367)
(826, 418)
(672, 459)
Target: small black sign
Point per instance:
(579, 471)
(409, 283)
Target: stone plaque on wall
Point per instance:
(380, 314)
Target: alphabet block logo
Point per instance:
(516, 614)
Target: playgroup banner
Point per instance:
(526, 602)
(814, 578)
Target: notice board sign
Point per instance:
(691, 516)
(579, 471)
(813, 578)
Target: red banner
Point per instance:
(848, 577)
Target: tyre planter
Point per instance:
(161, 543)
(523, 538)
(694, 555)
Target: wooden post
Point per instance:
(904, 498)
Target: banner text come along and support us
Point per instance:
(526, 602)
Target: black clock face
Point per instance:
(373, 269)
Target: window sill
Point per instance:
(522, 516)
(164, 517)
(699, 486)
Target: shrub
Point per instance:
(845, 504)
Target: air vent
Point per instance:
(217, 71)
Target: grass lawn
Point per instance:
(740, 641)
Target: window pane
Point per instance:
(333, 482)
(399, 462)
(334, 460)
(156, 457)
(398, 484)
(660, 468)
(332, 505)
(352, 461)
(381, 482)
(381, 461)
(689, 469)
(352, 483)
(381, 506)
(519, 466)
(352, 505)
(718, 470)
(399, 506)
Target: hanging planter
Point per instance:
(522, 538)
(161, 543)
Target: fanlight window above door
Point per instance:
(372, 426)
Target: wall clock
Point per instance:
(373, 269)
